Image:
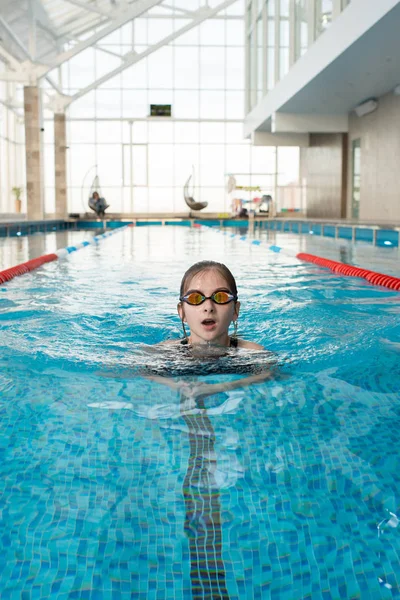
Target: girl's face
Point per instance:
(208, 322)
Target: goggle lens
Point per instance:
(194, 298)
(219, 297)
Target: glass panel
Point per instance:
(135, 76)
(212, 32)
(238, 158)
(109, 164)
(135, 104)
(186, 65)
(139, 165)
(159, 29)
(108, 103)
(139, 132)
(49, 200)
(253, 68)
(160, 68)
(161, 166)
(288, 165)
(234, 133)
(234, 33)
(235, 68)
(140, 30)
(187, 157)
(215, 196)
(356, 183)
(212, 133)
(260, 58)
(271, 45)
(262, 159)
(160, 132)
(284, 8)
(188, 133)
(104, 63)
(84, 107)
(135, 165)
(162, 198)
(49, 174)
(186, 105)
(212, 68)
(212, 105)
(323, 15)
(80, 69)
(212, 161)
(190, 38)
(283, 62)
(80, 159)
(283, 38)
(234, 105)
(108, 132)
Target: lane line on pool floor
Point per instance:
(388, 281)
(35, 263)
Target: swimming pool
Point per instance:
(112, 489)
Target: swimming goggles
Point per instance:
(197, 298)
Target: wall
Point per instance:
(379, 133)
(323, 175)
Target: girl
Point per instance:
(208, 303)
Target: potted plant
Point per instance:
(17, 191)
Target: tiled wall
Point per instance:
(322, 176)
(379, 133)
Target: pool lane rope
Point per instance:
(393, 283)
(30, 265)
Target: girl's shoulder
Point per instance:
(249, 345)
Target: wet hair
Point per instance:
(208, 265)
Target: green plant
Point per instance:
(17, 191)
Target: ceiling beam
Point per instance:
(140, 7)
(15, 38)
(10, 59)
(188, 13)
(91, 8)
(133, 57)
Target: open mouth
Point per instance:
(208, 323)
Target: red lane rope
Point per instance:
(9, 274)
(388, 281)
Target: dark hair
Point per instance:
(208, 265)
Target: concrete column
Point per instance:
(60, 165)
(34, 185)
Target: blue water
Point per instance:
(117, 486)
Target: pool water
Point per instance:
(114, 485)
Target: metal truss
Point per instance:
(92, 21)
(133, 57)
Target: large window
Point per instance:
(12, 149)
(143, 162)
